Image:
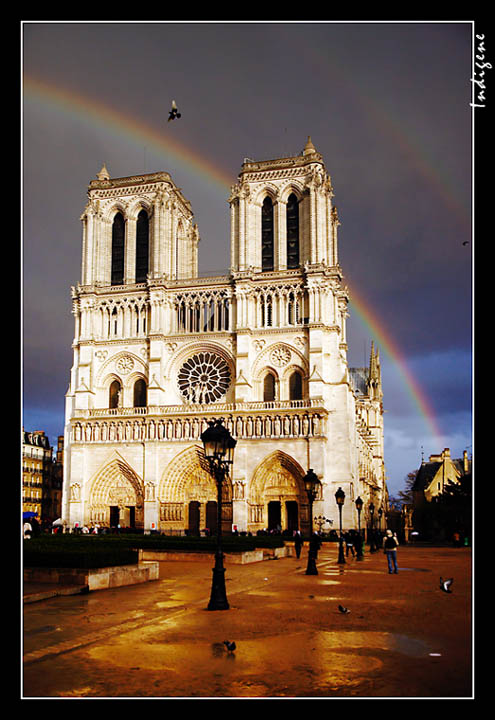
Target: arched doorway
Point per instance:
(116, 496)
(188, 496)
(277, 499)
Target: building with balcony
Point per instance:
(159, 352)
(36, 472)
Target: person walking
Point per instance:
(390, 545)
(350, 542)
(298, 542)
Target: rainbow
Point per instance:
(380, 112)
(101, 114)
(384, 341)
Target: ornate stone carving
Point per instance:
(124, 364)
(204, 378)
(280, 356)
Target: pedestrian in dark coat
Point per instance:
(298, 542)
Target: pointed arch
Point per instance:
(118, 249)
(267, 234)
(187, 477)
(142, 246)
(292, 216)
(265, 472)
(270, 386)
(140, 393)
(116, 472)
(296, 385)
(114, 394)
(115, 485)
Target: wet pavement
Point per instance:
(403, 636)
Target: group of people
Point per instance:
(352, 539)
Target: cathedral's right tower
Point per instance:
(290, 291)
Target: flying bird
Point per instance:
(445, 585)
(229, 645)
(344, 610)
(466, 242)
(174, 113)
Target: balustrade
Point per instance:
(242, 421)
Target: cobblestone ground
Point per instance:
(403, 637)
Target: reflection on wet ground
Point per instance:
(293, 663)
(159, 640)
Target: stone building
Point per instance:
(160, 351)
(438, 472)
(36, 472)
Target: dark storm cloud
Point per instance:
(387, 105)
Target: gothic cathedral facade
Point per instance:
(159, 351)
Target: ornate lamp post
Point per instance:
(359, 549)
(219, 451)
(372, 529)
(311, 485)
(340, 499)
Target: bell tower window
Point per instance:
(118, 242)
(292, 232)
(142, 247)
(295, 386)
(269, 388)
(140, 393)
(267, 235)
(114, 395)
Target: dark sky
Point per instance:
(387, 105)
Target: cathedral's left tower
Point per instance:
(137, 231)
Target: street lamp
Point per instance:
(311, 485)
(340, 499)
(219, 451)
(359, 549)
(372, 531)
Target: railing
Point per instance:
(276, 419)
(214, 408)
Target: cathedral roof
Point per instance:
(425, 475)
(308, 156)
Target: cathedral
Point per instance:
(159, 351)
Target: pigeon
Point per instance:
(344, 610)
(445, 585)
(174, 113)
(229, 645)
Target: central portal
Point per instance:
(278, 501)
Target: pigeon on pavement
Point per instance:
(445, 585)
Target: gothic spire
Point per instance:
(309, 148)
(103, 174)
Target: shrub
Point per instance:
(40, 552)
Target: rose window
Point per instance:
(125, 364)
(204, 378)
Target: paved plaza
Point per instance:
(403, 636)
